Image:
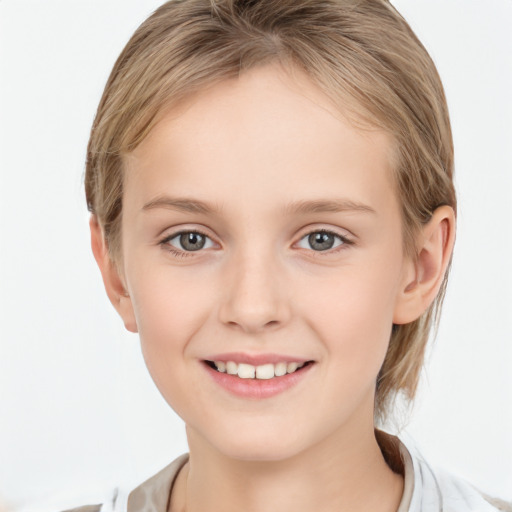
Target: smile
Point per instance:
(257, 381)
(262, 372)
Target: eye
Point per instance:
(322, 240)
(188, 241)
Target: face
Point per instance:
(259, 229)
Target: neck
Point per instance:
(346, 472)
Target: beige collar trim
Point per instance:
(154, 494)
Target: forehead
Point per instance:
(267, 133)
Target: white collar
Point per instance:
(425, 490)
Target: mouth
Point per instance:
(268, 371)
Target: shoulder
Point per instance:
(438, 490)
(153, 494)
(458, 494)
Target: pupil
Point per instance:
(192, 241)
(321, 241)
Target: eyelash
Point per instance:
(181, 253)
(186, 254)
(341, 247)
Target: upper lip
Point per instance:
(256, 359)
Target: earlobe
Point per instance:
(113, 281)
(424, 276)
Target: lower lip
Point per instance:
(258, 388)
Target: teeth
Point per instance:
(291, 367)
(280, 369)
(263, 372)
(221, 366)
(246, 371)
(231, 368)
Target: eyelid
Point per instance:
(346, 240)
(174, 234)
(322, 228)
(178, 235)
(176, 251)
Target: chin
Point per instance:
(252, 445)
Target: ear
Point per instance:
(113, 281)
(423, 276)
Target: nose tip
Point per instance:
(252, 313)
(254, 300)
(253, 323)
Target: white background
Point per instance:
(78, 411)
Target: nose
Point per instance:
(254, 298)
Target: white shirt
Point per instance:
(425, 490)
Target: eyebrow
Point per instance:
(297, 207)
(181, 204)
(327, 206)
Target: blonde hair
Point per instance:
(361, 53)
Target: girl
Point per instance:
(273, 211)
(269, 263)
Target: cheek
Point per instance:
(169, 310)
(167, 303)
(353, 320)
(353, 313)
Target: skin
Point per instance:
(252, 148)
